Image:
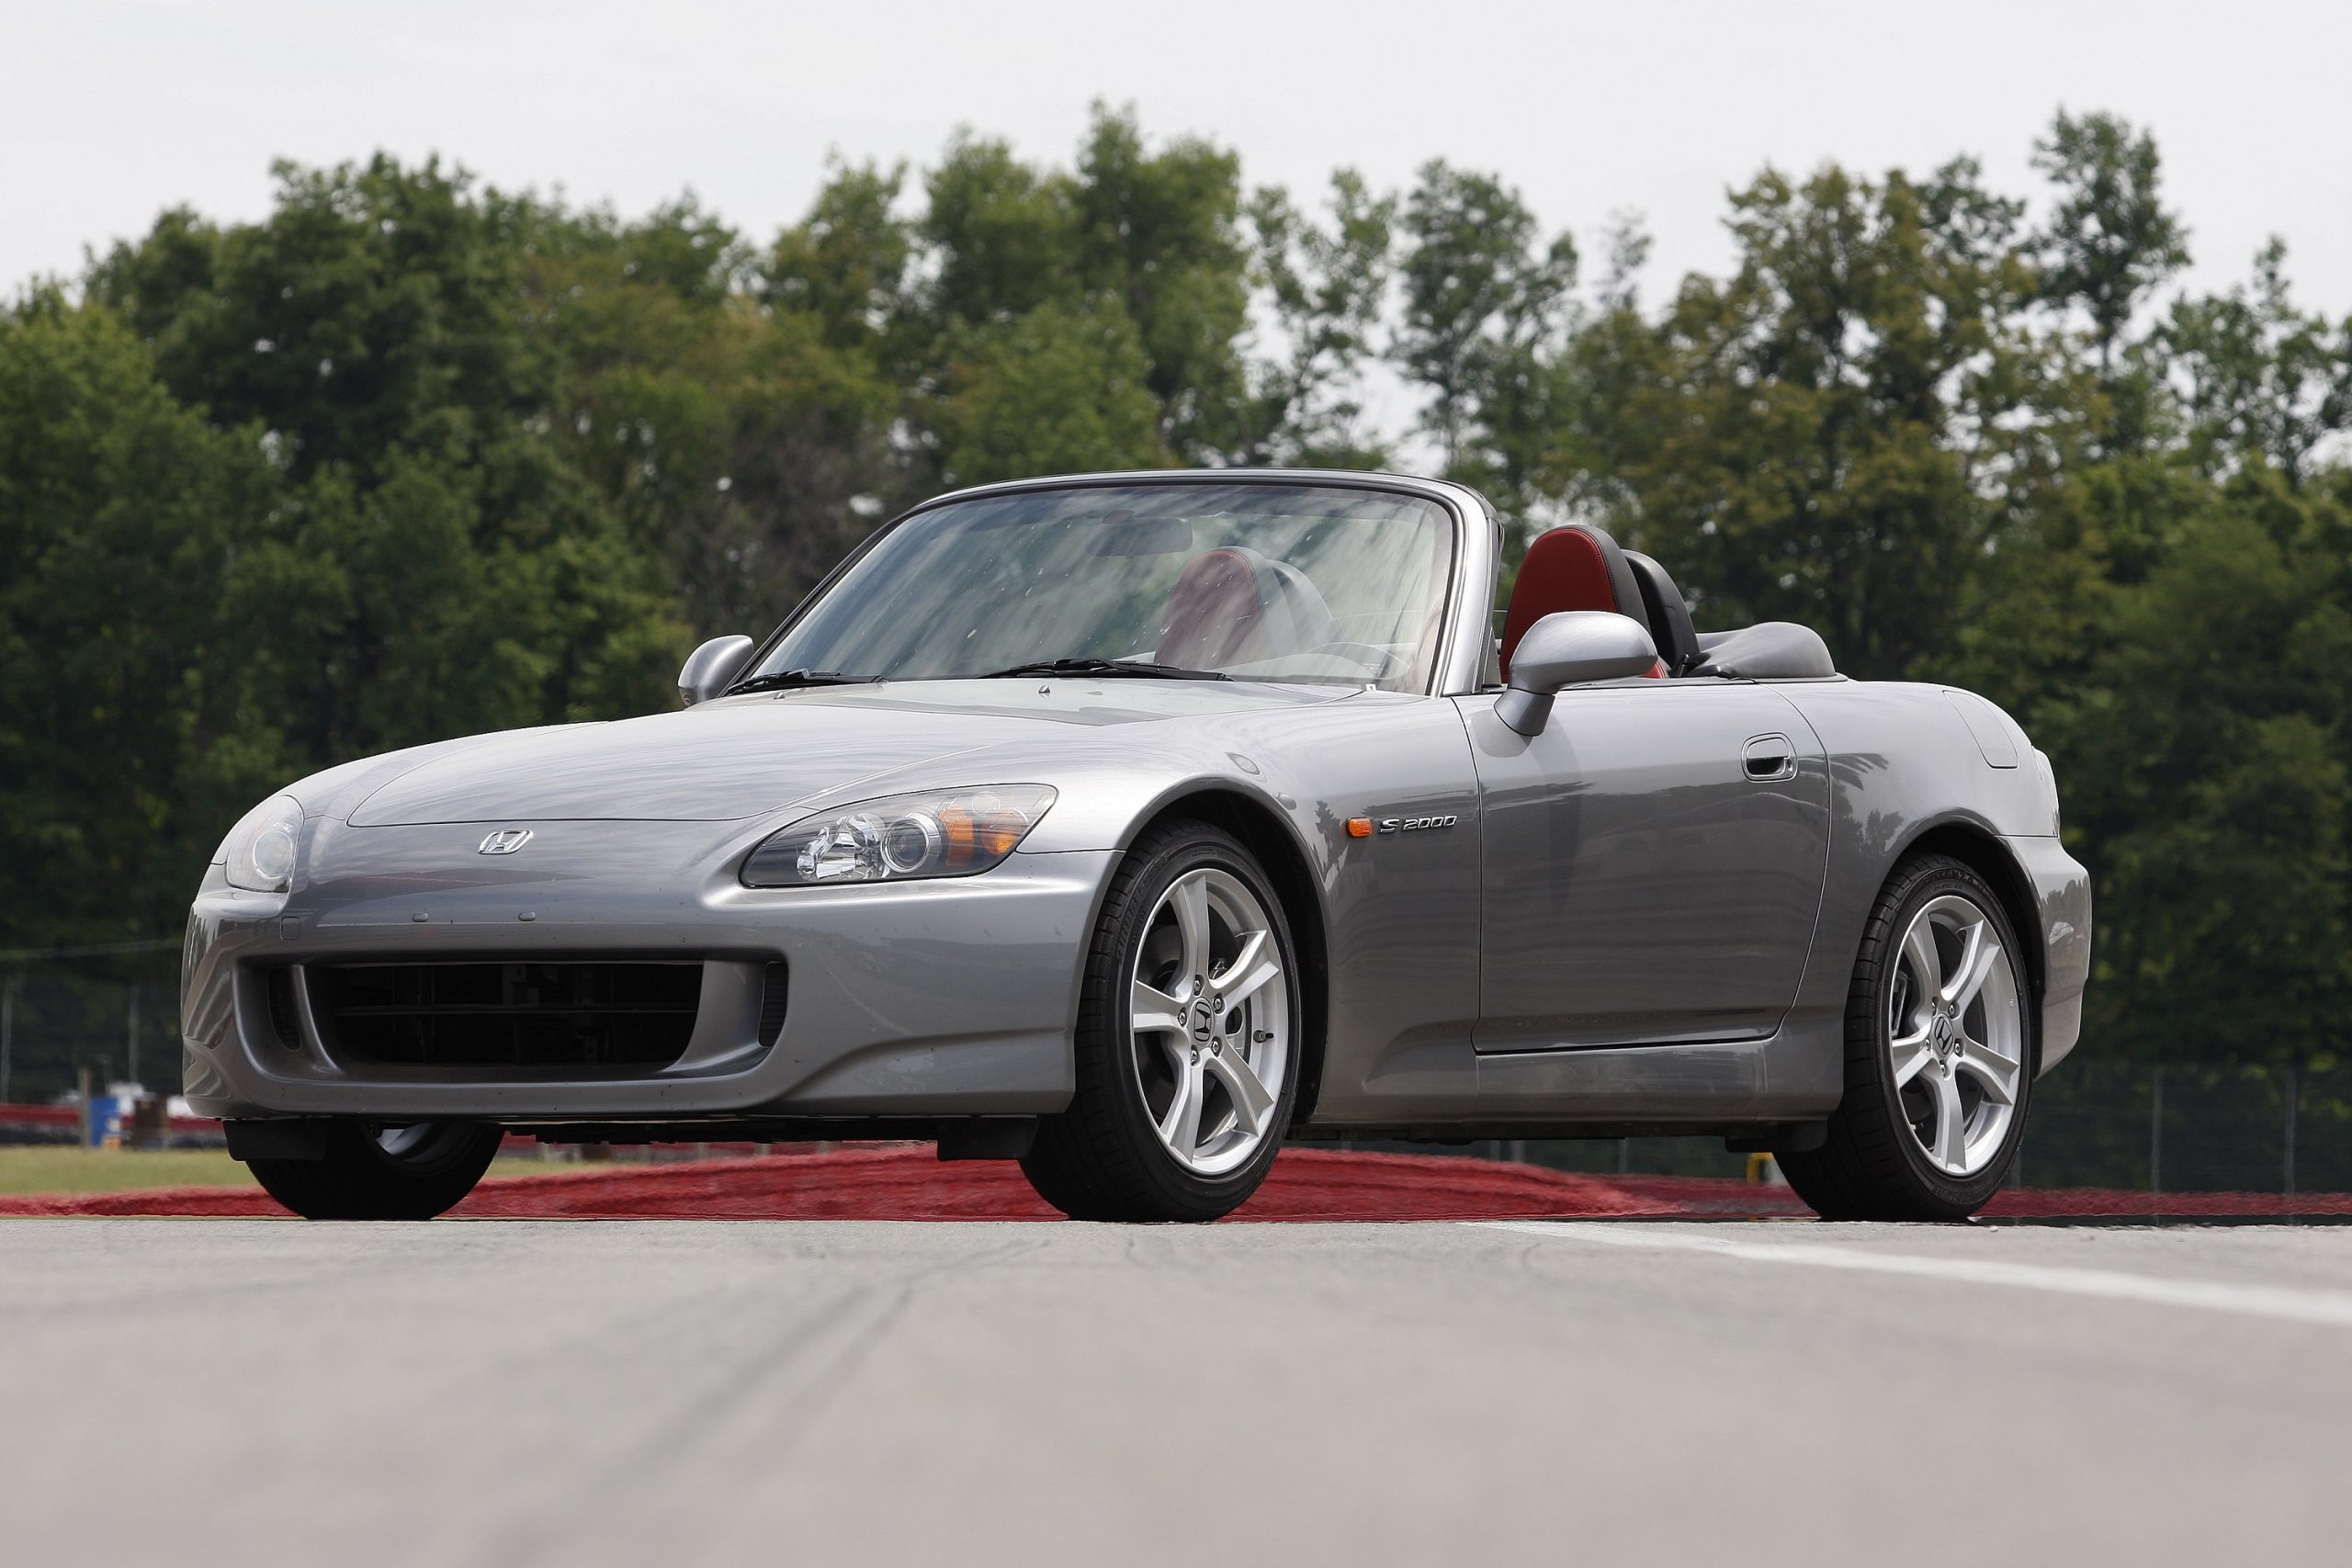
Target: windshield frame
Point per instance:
(1448, 662)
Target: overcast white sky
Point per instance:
(111, 109)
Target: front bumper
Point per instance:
(946, 997)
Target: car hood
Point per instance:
(745, 756)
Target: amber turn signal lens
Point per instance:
(1359, 826)
(961, 829)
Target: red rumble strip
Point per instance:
(904, 1182)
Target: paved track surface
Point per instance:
(659, 1393)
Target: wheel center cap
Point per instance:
(1201, 1020)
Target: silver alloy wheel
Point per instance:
(1955, 1032)
(1210, 1022)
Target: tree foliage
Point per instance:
(413, 456)
(1485, 307)
(1837, 431)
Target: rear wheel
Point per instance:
(1187, 1048)
(1938, 1056)
(373, 1172)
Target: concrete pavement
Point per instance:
(685, 1392)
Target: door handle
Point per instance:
(1768, 759)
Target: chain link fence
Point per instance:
(2171, 1127)
(116, 1016)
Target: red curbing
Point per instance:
(905, 1181)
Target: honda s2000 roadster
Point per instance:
(1129, 826)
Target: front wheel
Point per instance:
(1938, 1056)
(372, 1172)
(1187, 1047)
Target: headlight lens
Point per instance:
(259, 851)
(901, 837)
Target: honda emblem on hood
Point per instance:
(505, 842)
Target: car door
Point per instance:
(1651, 865)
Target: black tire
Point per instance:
(361, 1178)
(1102, 1159)
(1873, 1166)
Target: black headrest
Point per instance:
(1669, 617)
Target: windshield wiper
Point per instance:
(779, 680)
(1108, 667)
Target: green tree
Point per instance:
(742, 441)
(1486, 307)
(127, 742)
(434, 564)
(1153, 236)
(372, 310)
(2108, 245)
(1160, 232)
(1842, 431)
(2110, 239)
(1325, 287)
(1000, 236)
(2262, 380)
(2203, 754)
(845, 263)
(1057, 391)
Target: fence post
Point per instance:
(2295, 1094)
(7, 1034)
(131, 1028)
(2156, 1131)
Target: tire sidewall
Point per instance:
(357, 1178)
(1193, 849)
(1941, 879)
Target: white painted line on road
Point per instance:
(2333, 1308)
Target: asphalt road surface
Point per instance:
(659, 1393)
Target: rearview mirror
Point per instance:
(1567, 650)
(712, 668)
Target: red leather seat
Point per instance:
(1573, 567)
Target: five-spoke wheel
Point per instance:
(1210, 1026)
(1956, 1034)
(1939, 1056)
(1187, 1045)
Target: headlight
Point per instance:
(954, 832)
(259, 851)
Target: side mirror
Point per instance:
(1567, 649)
(712, 668)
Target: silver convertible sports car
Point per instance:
(1129, 826)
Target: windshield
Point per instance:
(1256, 581)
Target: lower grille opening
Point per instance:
(284, 1021)
(773, 992)
(521, 1015)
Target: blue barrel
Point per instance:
(106, 1121)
